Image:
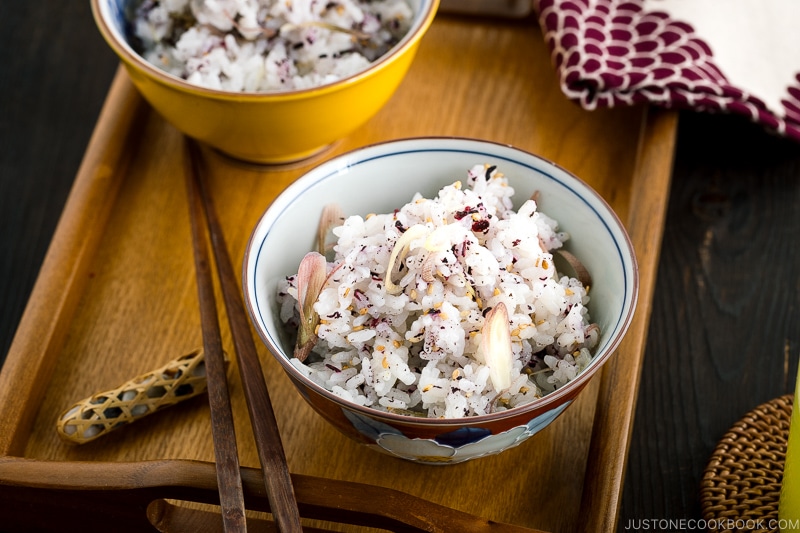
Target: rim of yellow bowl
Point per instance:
(120, 45)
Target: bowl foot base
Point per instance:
(278, 164)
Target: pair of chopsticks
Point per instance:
(277, 479)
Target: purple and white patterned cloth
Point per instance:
(736, 56)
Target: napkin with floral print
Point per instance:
(735, 56)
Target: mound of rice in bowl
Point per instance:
(266, 45)
(446, 307)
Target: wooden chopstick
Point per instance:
(277, 479)
(229, 479)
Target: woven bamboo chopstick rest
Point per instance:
(93, 417)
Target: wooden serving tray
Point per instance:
(116, 297)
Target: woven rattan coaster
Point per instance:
(742, 481)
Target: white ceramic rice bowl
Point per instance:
(383, 177)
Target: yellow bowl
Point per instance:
(271, 128)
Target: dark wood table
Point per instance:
(723, 336)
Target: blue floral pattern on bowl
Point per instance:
(448, 448)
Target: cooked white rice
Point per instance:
(266, 45)
(419, 351)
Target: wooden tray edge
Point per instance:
(619, 386)
(71, 489)
(63, 273)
